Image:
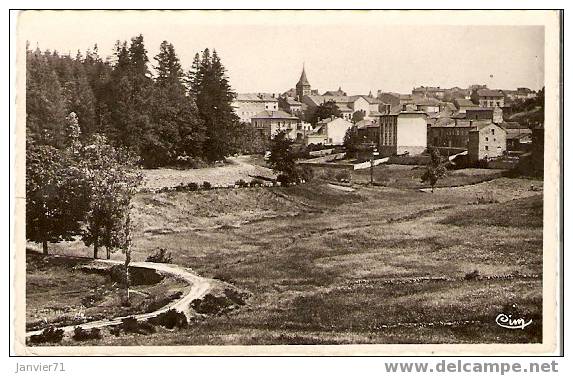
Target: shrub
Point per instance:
(160, 256)
(342, 175)
(256, 182)
(306, 173)
(48, 335)
(131, 325)
(115, 330)
(170, 319)
(206, 185)
(192, 186)
(216, 305)
(241, 183)
(285, 180)
(80, 334)
(472, 276)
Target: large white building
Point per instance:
(403, 132)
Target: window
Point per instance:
(493, 131)
(486, 140)
(486, 148)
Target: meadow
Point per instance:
(378, 264)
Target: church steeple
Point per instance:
(303, 86)
(303, 80)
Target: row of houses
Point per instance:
(397, 123)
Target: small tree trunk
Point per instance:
(45, 247)
(108, 253)
(96, 247)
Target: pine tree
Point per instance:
(210, 88)
(45, 106)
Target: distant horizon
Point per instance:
(261, 57)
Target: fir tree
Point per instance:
(210, 88)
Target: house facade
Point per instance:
(490, 98)
(486, 141)
(347, 105)
(290, 105)
(269, 123)
(463, 104)
(329, 132)
(403, 132)
(248, 105)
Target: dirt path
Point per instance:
(199, 287)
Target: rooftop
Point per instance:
(266, 114)
(489, 93)
(256, 97)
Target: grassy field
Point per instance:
(376, 265)
(59, 292)
(236, 168)
(406, 176)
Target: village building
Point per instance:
(428, 91)
(494, 114)
(389, 98)
(525, 93)
(368, 130)
(348, 105)
(248, 105)
(519, 137)
(302, 86)
(269, 123)
(486, 141)
(490, 98)
(338, 93)
(291, 105)
(452, 133)
(463, 104)
(329, 132)
(402, 132)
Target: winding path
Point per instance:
(199, 287)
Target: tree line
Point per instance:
(168, 117)
(91, 124)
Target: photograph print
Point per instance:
(193, 180)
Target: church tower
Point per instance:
(302, 86)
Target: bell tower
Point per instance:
(302, 86)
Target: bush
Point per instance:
(160, 256)
(342, 175)
(48, 335)
(206, 185)
(285, 180)
(131, 325)
(257, 182)
(241, 183)
(306, 173)
(193, 186)
(170, 319)
(115, 330)
(216, 305)
(80, 334)
(472, 276)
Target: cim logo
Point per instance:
(508, 322)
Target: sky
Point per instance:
(359, 51)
